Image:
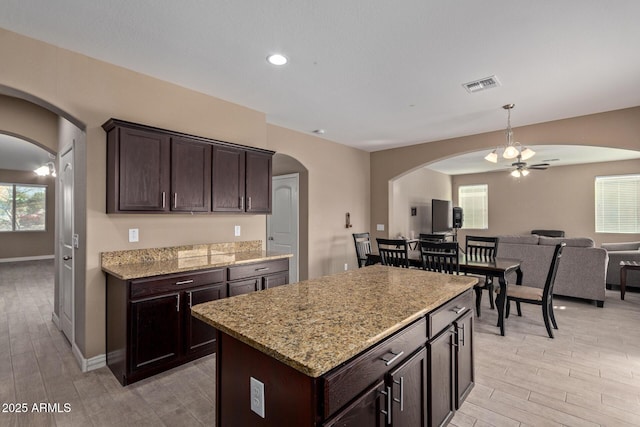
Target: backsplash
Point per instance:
(134, 256)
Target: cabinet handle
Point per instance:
(178, 303)
(175, 200)
(262, 269)
(190, 299)
(458, 310)
(388, 411)
(401, 401)
(395, 357)
(184, 282)
(241, 203)
(163, 199)
(249, 203)
(463, 335)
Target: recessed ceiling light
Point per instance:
(277, 59)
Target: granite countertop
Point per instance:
(136, 264)
(315, 325)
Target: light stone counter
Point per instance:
(138, 263)
(315, 325)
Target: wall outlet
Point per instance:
(346, 266)
(133, 235)
(236, 231)
(257, 396)
(380, 227)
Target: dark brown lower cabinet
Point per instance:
(149, 324)
(441, 373)
(200, 337)
(366, 410)
(408, 387)
(155, 331)
(464, 357)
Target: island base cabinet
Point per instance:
(416, 377)
(441, 372)
(367, 410)
(290, 397)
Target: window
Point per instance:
(618, 204)
(474, 201)
(23, 207)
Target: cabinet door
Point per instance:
(199, 335)
(367, 410)
(441, 378)
(228, 180)
(143, 170)
(409, 392)
(464, 357)
(275, 280)
(243, 286)
(155, 331)
(190, 175)
(258, 182)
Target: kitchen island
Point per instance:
(374, 346)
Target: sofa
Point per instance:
(629, 251)
(581, 273)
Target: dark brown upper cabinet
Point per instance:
(138, 170)
(228, 179)
(258, 183)
(241, 180)
(151, 170)
(190, 175)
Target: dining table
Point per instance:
(497, 267)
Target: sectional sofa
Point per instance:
(582, 271)
(629, 251)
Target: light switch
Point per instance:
(133, 235)
(380, 227)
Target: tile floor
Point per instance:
(589, 375)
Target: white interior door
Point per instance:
(282, 224)
(66, 279)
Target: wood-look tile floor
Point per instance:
(589, 375)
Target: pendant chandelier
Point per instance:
(512, 149)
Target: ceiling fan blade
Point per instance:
(538, 167)
(540, 164)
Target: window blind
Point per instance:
(618, 204)
(474, 201)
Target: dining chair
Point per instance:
(362, 242)
(441, 257)
(538, 296)
(393, 252)
(482, 249)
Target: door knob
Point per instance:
(66, 258)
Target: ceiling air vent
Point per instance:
(482, 84)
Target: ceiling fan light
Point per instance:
(527, 153)
(515, 173)
(492, 157)
(42, 170)
(510, 152)
(524, 172)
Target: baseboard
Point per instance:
(55, 319)
(87, 365)
(28, 258)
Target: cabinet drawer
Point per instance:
(174, 282)
(345, 382)
(443, 316)
(258, 269)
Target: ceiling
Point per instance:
(373, 74)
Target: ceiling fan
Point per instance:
(522, 169)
